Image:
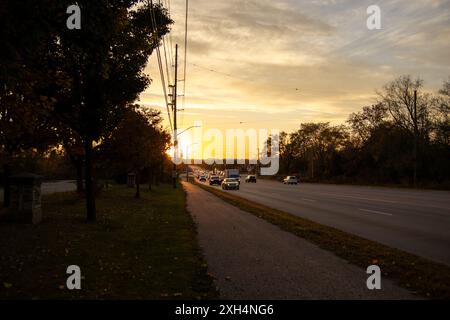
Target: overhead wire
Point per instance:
(165, 49)
(160, 65)
(172, 60)
(167, 52)
(165, 60)
(218, 72)
(238, 78)
(185, 59)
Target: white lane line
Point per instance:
(309, 200)
(360, 198)
(377, 212)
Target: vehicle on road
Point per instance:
(214, 180)
(202, 178)
(250, 178)
(233, 174)
(290, 180)
(230, 184)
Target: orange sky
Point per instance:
(280, 63)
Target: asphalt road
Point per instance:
(416, 221)
(253, 259)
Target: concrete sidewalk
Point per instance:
(253, 259)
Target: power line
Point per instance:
(235, 77)
(215, 71)
(163, 83)
(167, 52)
(185, 57)
(165, 59)
(161, 70)
(170, 37)
(174, 105)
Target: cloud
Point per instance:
(291, 60)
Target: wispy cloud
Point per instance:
(292, 61)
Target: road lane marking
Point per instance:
(376, 212)
(360, 198)
(309, 200)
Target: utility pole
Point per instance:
(416, 133)
(174, 108)
(257, 164)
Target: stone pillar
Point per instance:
(26, 198)
(131, 180)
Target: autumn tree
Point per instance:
(139, 142)
(286, 151)
(364, 122)
(316, 142)
(159, 143)
(27, 80)
(410, 109)
(105, 61)
(442, 119)
(398, 98)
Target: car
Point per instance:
(290, 180)
(230, 184)
(202, 178)
(250, 178)
(233, 174)
(214, 180)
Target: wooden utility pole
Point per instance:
(257, 165)
(416, 134)
(175, 134)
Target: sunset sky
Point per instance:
(280, 63)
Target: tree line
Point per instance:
(76, 90)
(404, 138)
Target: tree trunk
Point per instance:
(90, 193)
(6, 185)
(138, 191)
(159, 176)
(79, 168)
(150, 178)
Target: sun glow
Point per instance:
(187, 148)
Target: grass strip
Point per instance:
(424, 277)
(138, 249)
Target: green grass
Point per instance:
(139, 249)
(426, 278)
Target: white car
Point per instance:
(290, 180)
(230, 184)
